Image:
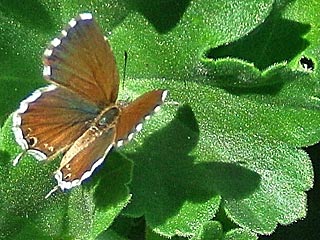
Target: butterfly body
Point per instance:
(108, 117)
(103, 124)
(78, 115)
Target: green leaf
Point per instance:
(151, 235)
(209, 230)
(252, 123)
(240, 234)
(82, 213)
(233, 143)
(176, 53)
(213, 230)
(125, 228)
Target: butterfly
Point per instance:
(78, 115)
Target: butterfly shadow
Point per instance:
(169, 171)
(110, 183)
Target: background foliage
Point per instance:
(229, 162)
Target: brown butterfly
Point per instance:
(77, 115)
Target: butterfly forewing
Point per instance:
(82, 61)
(51, 119)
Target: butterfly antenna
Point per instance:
(124, 68)
(52, 191)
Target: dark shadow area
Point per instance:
(308, 228)
(29, 12)
(225, 220)
(126, 227)
(165, 174)
(231, 181)
(164, 15)
(110, 180)
(269, 87)
(239, 78)
(306, 63)
(137, 230)
(274, 41)
(4, 157)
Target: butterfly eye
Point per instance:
(108, 117)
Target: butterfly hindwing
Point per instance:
(133, 114)
(95, 145)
